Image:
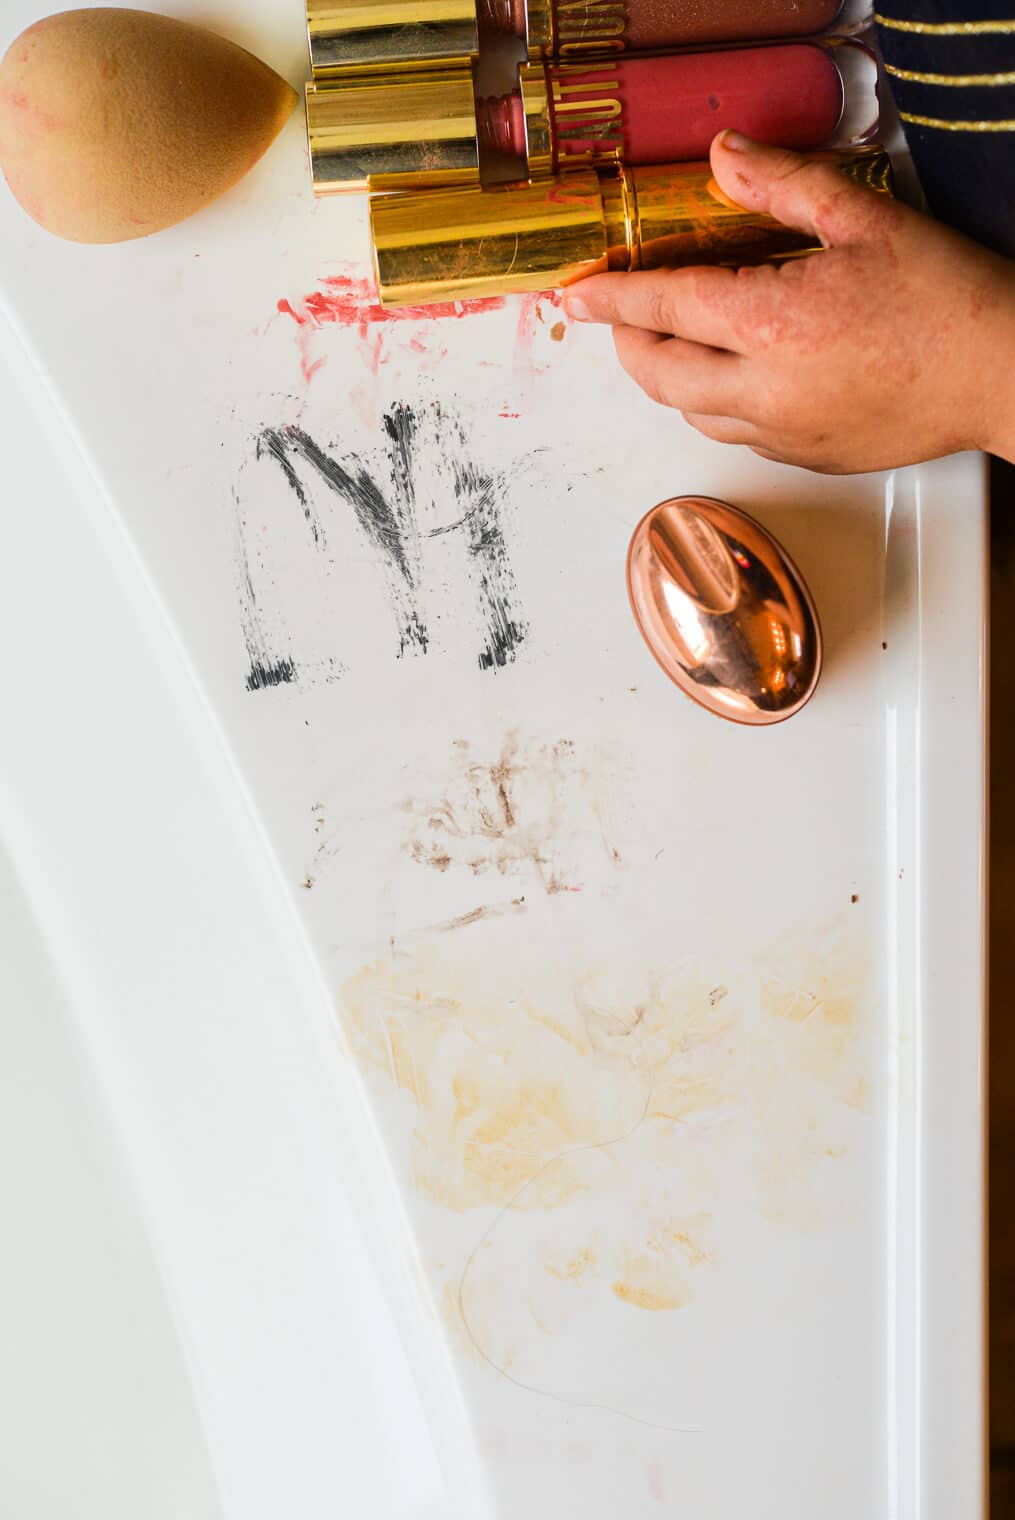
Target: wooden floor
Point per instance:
(1002, 994)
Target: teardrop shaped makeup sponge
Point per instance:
(116, 123)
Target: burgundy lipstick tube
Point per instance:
(351, 35)
(426, 129)
(577, 28)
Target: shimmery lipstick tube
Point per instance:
(666, 108)
(580, 28)
(347, 35)
(446, 245)
(414, 130)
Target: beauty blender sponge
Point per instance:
(116, 123)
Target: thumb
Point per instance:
(810, 194)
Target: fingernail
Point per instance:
(736, 141)
(576, 309)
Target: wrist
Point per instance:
(998, 379)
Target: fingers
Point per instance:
(777, 450)
(687, 303)
(725, 430)
(809, 194)
(674, 372)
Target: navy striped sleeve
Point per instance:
(952, 70)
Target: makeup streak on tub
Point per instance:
(269, 665)
(329, 844)
(388, 521)
(531, 810)
(425, 463)
(532, 318)
(606, 1122)
(349, 301)
(274, 656)
(272, 444)
(481, 495)
(346, 301)
(479, 915)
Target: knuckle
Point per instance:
(708, 427)
(625, 350)
(659, 306)
(816, 174)
(831, 200)
(769, 406)
(873, 217)
(860, 214)
(654, 385)
(693, 291)
(788, 165)
(646, 365)
(635, 362)
(818, 179)
(821, 186)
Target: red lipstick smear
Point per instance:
(349, 302)
(352, 303)
(346, 301)
(530, 319)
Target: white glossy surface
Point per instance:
(181, 964)
(96, 1408)
(798, 1162)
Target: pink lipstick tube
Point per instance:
(426, 128)
(667, 108)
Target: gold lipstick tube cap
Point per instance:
(535, 92)
(679, 215)
(460, 244)
(589, 111)
(682, 217)
(540, 33)
(446, 245)
(378, 133)
(348, 36)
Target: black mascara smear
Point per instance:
(389, 526)
(386, 512)
(266, 667)
(272, 443)
(482, 496)
(279, 674)
(401, 426)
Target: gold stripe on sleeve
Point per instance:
(956, 80)
(944, 125)
(945, 28)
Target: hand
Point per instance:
(894, 344)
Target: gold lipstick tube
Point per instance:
(381, 133)
(347, 36)
(447, 245)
